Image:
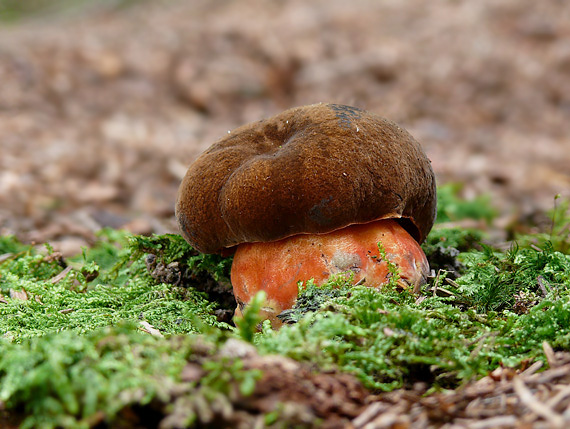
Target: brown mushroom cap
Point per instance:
(308, 170)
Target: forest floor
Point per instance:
(102, 109)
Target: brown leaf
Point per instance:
(18, 294)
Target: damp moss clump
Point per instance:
(391, 339)
(451, 206)
(135, 313)
(515, 280)
(498, 308)
(40, 292)
(109, 375)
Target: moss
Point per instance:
(500, 309)
(63, 378)
(495, 280)
(9, 244)
(57, 297)
(66, 380)
(556, 234)
(461, 239)
(452, 207)
(390, 340)
(66, 323)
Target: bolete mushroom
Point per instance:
(309, 193)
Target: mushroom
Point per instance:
(311, 192)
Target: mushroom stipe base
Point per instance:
(277, 267)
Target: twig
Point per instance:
(532, 369)
(369, 414)
(60, 276)
(548, 376)
(149, 329)
(550, 356)
(5, 257)
(452, 283)
(559, 397)
(444, 291)
(539, 408)
(493, 422)
(359, 282)
(542, 286)
(438, 281)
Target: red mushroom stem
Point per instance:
(277, 267)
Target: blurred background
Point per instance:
(103, 107)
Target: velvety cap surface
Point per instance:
(310, 169)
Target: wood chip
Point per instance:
(5, 257)
(191, 373)
(388, 420)
(18, 294)
(148, 328)
(176, 168)
(60, 276)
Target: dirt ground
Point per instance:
(102, 109)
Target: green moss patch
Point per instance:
(112, 333)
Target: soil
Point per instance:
(103, 108)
